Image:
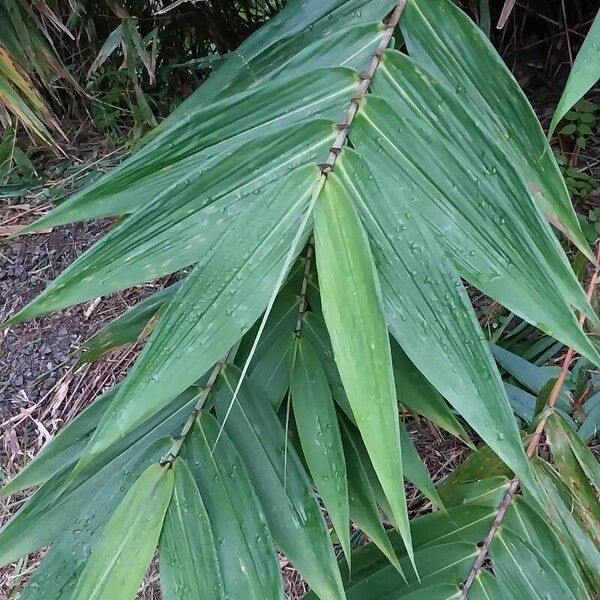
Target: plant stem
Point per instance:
(365, 82)
(531, 449)
(202, 396)
(305, 277)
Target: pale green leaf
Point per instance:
(319, 434)
(188, 555)
(119, 561)
(353, 311)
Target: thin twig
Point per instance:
(531, 450)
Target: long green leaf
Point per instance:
(448, 44)
(319, 433)
(188, 555)
(584, 74)
(480, 210)
(561, 435)
(524, 571)
(188, 225)
(210, 312)
(127, 328)
(353, 311)
(244, 546)
(532, 528)
(363, 505)
(417, 394)
(125, 548)
(280, 481)
(430, 314)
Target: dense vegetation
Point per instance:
(334, 189)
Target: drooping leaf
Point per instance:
(417, 394)
(532, 528)
(280, 481)
(362, 501)
(353, 311)
(319, 433)
(584, 74)
(523, 569)
(425, 302)
(246, 556)
(188, 555)
(210, 313)
(443, 40)
(119, 561)
(127, 328)
(501, 246)
(414, 469)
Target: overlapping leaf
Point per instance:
(245, 551)
(353, 311)
(121, 557)
(188, 555)
(427, 308)
(280, 482)
(216, 304)
(443, 40)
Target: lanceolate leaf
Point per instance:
(532, 529)
(430, 315)
(319, 433)
(83, 503)
(211, 311)
(417, 394)
(188, 555)
(467, 523)
(281, 483)
(414, 469)
(117, 565)
(363, 504)
(412, 389)
(480, 210)
(443, 40)
(440, 564)
(198, 148)
(585, 73)
(560, 508)
(353, 312)
(561, 436)
(66, 448)
(524, 571)
(287, 38)
(244, 547)
(184, 227)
